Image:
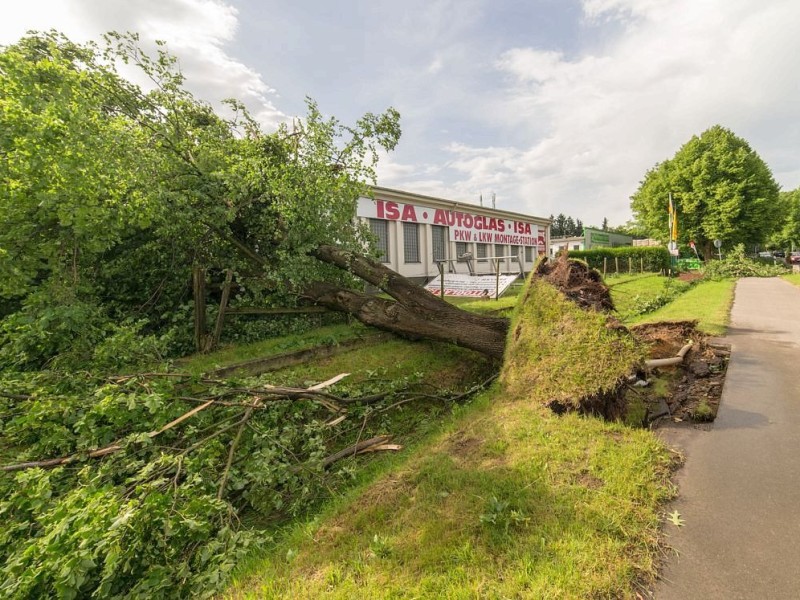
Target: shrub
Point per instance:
(737, 264)
(650, 258)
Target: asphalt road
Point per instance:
(739, 490)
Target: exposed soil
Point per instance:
(576, 281)
(686, 393)
(690, 276)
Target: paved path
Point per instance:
(739, 491)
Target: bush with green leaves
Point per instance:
(650, 259)
(157, 515)
(142, 485)
(736, 263)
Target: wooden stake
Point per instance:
(213, 341)
(199, 293)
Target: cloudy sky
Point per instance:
(554, 105)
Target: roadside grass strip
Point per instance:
(511, 502)
(708, 301)
(635, 295)
(503, 499)
(793, 278)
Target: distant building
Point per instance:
(558, 244)
(416, 233)
(592, 238)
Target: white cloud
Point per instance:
(598, 121)
(196, 31)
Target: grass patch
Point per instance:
(635, 295)
(707, 301)
(793, 278)
(511, 502)
(503, 499)
(329, 335)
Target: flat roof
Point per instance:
(454, 204)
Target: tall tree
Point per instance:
(788, 236)
(604, 226)
(722, 190)
(569, 226)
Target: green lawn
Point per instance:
(708, 301)
(793, 278)
(509, 502)
(328, 335)
(500, 499)
(633, 294)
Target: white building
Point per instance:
(417, 233)
(591, 238)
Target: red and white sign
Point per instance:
(459, 284)
(463, 226)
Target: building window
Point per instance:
(576, 247)
(380, 229)
(528, 253)
(481, 251)
(499, 250)
(515, 252)
(439, 242)
(461, 249)
(411, 242)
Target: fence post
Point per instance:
(497, 281)
(199, 293)
(605, 265)
(629, 266)
(641, 264)
(616, 265)
(212, 342)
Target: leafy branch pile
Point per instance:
(737, 264)
(137, 485)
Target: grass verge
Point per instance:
(634, 295)
(793, 278)
(502, 500)
(511, 502)
(329, 335)
(708, 301)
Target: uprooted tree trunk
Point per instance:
(571, 311)
(566, 350)
(414, 313)
(547, 332)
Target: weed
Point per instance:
(703, 413)
(379, 546)
(501, 517)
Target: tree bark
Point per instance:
(416, 313)
(482, 334)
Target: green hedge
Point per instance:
(651, 259)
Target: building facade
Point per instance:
(592, 238)
(417, 233)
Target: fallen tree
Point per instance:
(563, 324)
(415, 313)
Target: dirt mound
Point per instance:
(665, 338)
(686, 393)
(577, 281)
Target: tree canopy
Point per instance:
(788, 235)
(722, 189)
(110, 193)
(565, 226)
